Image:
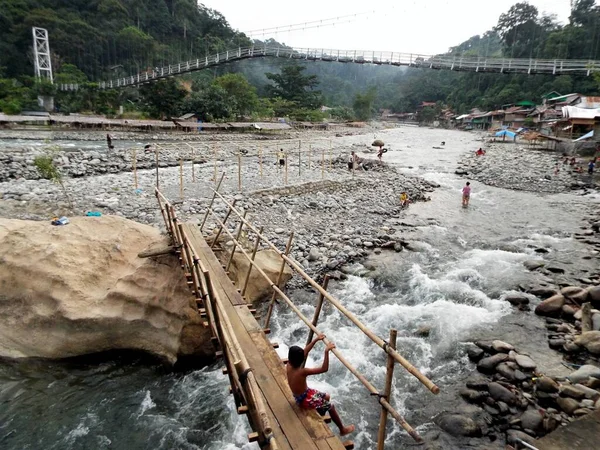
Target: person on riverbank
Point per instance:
(466, 194)
(351, 161)
(381, 152)
(591, 166)
(480, 152)
(281, 157)
(404, 201)
(311, 398)
(109, 142)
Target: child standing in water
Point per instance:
(311, 398)
(466, 194)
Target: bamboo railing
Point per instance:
(388, 347)
(244, 387)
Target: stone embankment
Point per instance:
(516, 167)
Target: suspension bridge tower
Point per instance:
(43, 64)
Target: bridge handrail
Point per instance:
(372, 336)
(372, 389)
(218, 322)
(451, 62)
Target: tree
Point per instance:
(363, 104)
(426, 115)
(211, 103)
(292, 85)
(162, 98)
(239, 92)
(522, 33)
(48, 170)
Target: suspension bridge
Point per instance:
(398, 59)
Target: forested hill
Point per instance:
(125, 35)
(100, 39)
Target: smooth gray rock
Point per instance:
(531, 419)
(568, 405)
(500, 393)
(525, 362)
(489, 364)
(551, 306)
(546, 384)
(458, 425)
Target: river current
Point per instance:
(466, 260)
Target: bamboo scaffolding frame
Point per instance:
(239, 158)
(181, 178)
(135, 177)
(288, 247)
(235, 243)
(156, 156)
(318, 308)
(387, 391)
(212, 200)
(376, 339)
(231, 208)
(248, 391)
(254, 250)
(384, 403)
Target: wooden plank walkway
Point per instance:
(293, 428)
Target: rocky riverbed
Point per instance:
(514, 166)
(444, 276)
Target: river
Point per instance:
(467, 259)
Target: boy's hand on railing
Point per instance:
(320, 337)
(330, 347)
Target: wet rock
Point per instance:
(582, 412)
(474, 353)
(314, 254)
(458, 425)
(546, 384)
(571, 347)
(507, 372)
(583, 373)
(513, 437)
(588, 392)
(590, 340)
(571, 391)
(517, 299)
(568, 405)
(555, 269)
(551, 306)
(581, 297)
(525, 362)
(596, 322)
(520, 376)
(423, 331)
(569, 291)
(501, 347)
(594, 296)
(569, 310)
(542, 292)
(477, 383)
(489, 364)
(485, 345)
(531, 420)
(472, 396)
(534, 264)
(500, 393)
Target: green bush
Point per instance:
(11, 107)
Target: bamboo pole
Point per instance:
(235, 241)
(215, 164)
(376, 339)
(286, 169)
(318, 308)
(260, 157)
(387, 391)
(212, 201)
(135, 178)
(239, 171)
(384, 403)
(254, 250)
(309, 156)
(181, 178)
(288, 247)
(156, 157)
(322, 164)
(299, 158)
(190, 263)
(231, 208)
(329, 155)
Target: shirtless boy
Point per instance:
(311, 398)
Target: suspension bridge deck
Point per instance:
(293, 428)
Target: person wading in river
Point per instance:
(311, 398)
(466, 194)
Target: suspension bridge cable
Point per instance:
(259, 30)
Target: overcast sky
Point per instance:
(410, 26)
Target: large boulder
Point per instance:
(258, 287)
(458, 425)
(594, 296)
(81, 288)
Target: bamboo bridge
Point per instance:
(256, 373)
(399, 59)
